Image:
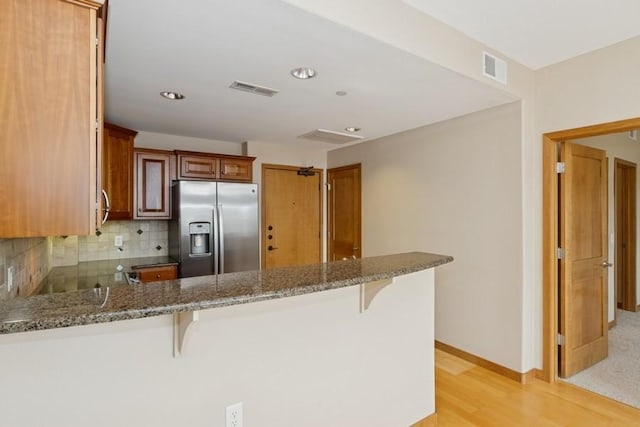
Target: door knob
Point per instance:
(606, 264)
(271, 248)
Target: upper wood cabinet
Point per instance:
(117, 171)
(208, 166)
(236, 168)
(194, 166)
(50, 104)
(153, 177)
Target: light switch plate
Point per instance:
(118, 241)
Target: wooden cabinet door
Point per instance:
(49, 83)
(197, 167)
(235, 169)
(117, 171)
(153, 182)
(214, 167)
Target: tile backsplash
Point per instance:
(139, 239)
(30, 261)
(33, 258)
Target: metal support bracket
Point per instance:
(369, 290)
(183, 325)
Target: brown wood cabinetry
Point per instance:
(117, 171)
(236, 169)
(153, 183)
(154, 274)
(220, 167)
(197, 167)
(50, 89)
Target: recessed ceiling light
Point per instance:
(304, 73)
(172, 95)
(341, 93)
(352, 129)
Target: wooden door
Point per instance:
(343, 207)
(583, 274)
(291, 216)
(625, 232)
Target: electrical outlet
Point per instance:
(234, 415)
(10, 278)
(118, 241)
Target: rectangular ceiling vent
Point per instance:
(330, 136)
(494, 68)
(251, 88)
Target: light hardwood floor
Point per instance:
(468, 395)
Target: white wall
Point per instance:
(163, 141)
(454, 188)
(400, 25)
(598, 87)
(617, 146)
(312, 360)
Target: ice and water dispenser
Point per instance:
(200, 236)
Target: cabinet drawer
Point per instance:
(236, 169)
(193, 167)
(154, 274)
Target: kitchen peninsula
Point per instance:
(353, 347)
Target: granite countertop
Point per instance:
(108, 304)
(95, 274)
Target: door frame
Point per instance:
(550, 212)
(263, 210)
(629, 294)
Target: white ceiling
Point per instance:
(199, 47)
(538, 33)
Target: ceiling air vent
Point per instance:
(250, 87)
(330, 136)
(494, 68)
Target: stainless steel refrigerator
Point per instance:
(214, 227)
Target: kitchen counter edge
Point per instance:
(205, 292)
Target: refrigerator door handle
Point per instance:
(214, 240)
(221, 238)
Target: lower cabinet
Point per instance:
(154, 172)
(154, 274)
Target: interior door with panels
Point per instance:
(583, 313)
(343, 207)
